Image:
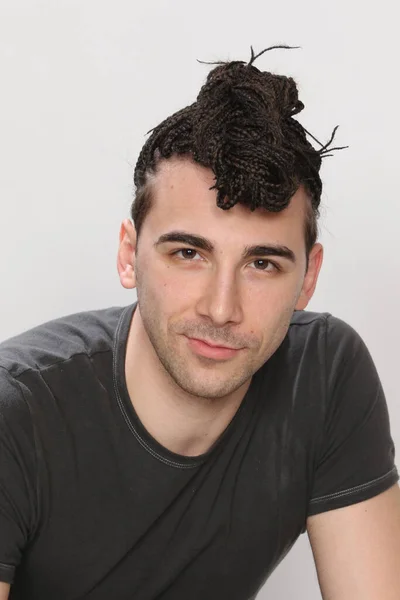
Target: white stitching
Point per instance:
(126, 417)
(356, 488)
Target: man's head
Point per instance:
(227, 196)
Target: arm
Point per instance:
(357, 549)
(4, 591)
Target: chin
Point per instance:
(208, 386)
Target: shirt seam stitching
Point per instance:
(354, 489)
(58, 362)
(126, 417)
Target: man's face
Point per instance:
(231, 278)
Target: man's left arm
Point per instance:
(357, 549)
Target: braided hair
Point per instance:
(242, 128)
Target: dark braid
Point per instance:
(242, 127)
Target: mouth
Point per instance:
(211, 350)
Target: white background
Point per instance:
(83, 81)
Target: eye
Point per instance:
(186, 254)
(262, 264)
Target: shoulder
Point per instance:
(318, 347)
(304, 320)
(335, 335)
(15, 417)
(32, 363)
(58, 340)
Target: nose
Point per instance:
(221, 300)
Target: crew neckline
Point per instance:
(148, 442)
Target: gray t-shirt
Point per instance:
(93, 507)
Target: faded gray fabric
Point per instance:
(92, 507)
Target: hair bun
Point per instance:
(242, 128)
(250, 89)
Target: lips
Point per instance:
(214, 345)
(207, 350)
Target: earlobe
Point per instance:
(127, 276)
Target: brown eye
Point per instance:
(186, 253)
(263, 264)
(260, 264)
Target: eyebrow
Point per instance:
(203, 243)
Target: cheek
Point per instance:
(269, 312)
(272, 296)
(179, 285)
(164, 287)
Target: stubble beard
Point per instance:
(197, 376)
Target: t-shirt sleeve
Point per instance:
(356, 452)
(17, 475)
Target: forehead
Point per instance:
(182, 199)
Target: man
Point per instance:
(177, 447)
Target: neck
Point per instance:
(185, 424)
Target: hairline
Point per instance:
(146, 197)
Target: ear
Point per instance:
(311, 278)
(127, 254)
